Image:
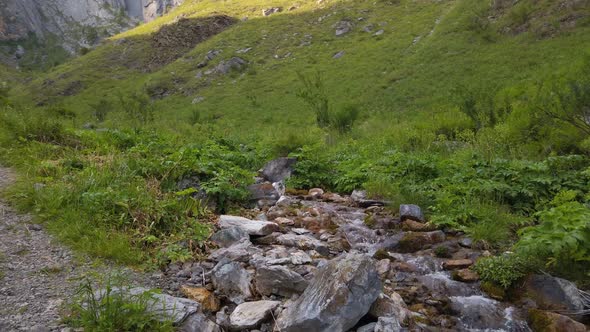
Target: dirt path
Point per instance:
(37, 275)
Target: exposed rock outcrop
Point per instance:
(74, 23)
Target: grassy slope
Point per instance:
(401, 80)
(427, 48)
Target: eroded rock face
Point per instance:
(340, 294)
(65, 19)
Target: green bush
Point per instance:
(563, 233)
(313, 93)
(101, 109)
(502, 270)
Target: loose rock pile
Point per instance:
(321, 262)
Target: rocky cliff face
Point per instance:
(72, 23)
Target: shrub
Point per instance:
(314, 94)
(343, 120)
(195, 116)
(100, 109)
(138, 107)
(502, 270)
(563, 234)
(569, 101)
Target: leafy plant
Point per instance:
(502, 270)
(563, 234)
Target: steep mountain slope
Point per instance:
(468, 118)
(28, 26)
(397, 55)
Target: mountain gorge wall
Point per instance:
(72, 24)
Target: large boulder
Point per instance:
(229, 236)
(240, 252)
(545, 321)
(555, 294)
(304, 242)
(411, 211)
(249, 315)
(264, 194)
(278, 280)
(415, 241)
(232, 280)
(252, 227)
(278, 169)
(339, 295)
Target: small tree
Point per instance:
(314, 94)
(569, 103)
(100, 109)
(138, 107)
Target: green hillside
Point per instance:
(426, 49)
(475, 110)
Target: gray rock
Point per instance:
(367, 328)
(380, 32)
(240, 252)
(197, 100)
(279, 280)
(338, 55)
(270, 11)
(304, 242)
(411, 211)
(222, 317)
(387, 324)
(555, 294)
(278, 169)
(339, 295)
(360, 197)
(20, 52)
(249, 315)
(252, 227)
(478, 312)
(235, 63)
(342, 28)
(466, 242)
(232, 280)
(230, 236)
(36, 227)
(264, 191)
(197, 322)
(390, 306)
